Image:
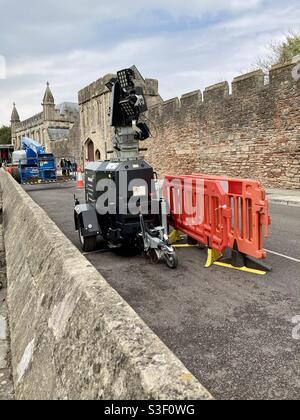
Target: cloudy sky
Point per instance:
(186, 44)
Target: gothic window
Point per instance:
(89, 150)
(98, 155)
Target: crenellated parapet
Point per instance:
(248, 129)
(216, 93)
(248, 83)
(242, 87)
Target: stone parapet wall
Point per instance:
(72, 335)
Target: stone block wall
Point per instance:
(253, 132)
(68, 148)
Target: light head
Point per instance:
(125, 78)
(128, 100)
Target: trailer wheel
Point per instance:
(88, 244)
(154, 257)
(172, 260)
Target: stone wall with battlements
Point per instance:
(251, 132)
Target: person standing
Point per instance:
(63, 166)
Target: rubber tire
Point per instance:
(88, 244)
(1, 285)
(153, 256)
(172, 261)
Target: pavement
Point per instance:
(286, 197)
(232, 330)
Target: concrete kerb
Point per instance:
(285, 201)
(72, 335)
(284, 197)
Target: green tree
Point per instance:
(289, 48)
(281, 52)
(5, 135)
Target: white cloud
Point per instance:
(2, 67)
(35, 11)
(71, 48)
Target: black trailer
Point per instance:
(121, 203)
(118, 226)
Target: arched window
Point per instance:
(89, 150)
(98, 155)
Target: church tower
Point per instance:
(48, 105)
(15, 119)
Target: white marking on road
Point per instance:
(283, 256)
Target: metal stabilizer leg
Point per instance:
(175, 237)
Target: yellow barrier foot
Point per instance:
(237, 261)
(244, 269)
(185, 246)
(175, 237)
(212, 256)
(242, 262)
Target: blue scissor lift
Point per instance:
(39, 166)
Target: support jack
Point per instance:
(180, 241)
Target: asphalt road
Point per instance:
(232, 330)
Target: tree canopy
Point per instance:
(5, 135)
(281, 52)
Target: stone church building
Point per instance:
(56, 127)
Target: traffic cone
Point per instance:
(79, 183)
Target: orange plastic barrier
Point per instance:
(235, 212)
